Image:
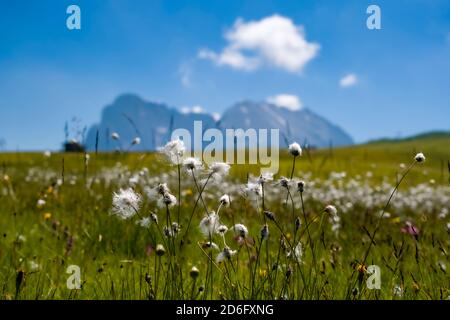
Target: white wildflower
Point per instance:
(420, 157)
(226, 253)
(209, 224)
(225, 200)
(330, 210)
(144, 222)
(265, 177)
(222, 229)
(192, 163)
(295, 149)
(125, 203)
(174, 150)
(397, 291)
(167, 200)
(136, 141)
(115, 136)
(219, 169)
(298, 253)
(240, 230)
(40, 203)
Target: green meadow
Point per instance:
(56, 211)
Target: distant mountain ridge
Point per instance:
(131, 117)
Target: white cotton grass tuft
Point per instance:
(253, 189)
(330, 209)
(222, 229)
(210, 245)
(219, 169)
(240, 230)
(209, 224)
(40, 203)
(191, 164)
(115, 136)
(157, 191)
(47, 154)
(145, 222)
(167, 199)
(265, 177)
(174, 151)
(420, 157)
(297, 254)
(284, 182)
(225, 254)
(126, 203)
(225, 200)
(295, 149)
(136, 141)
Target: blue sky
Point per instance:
(48, 74)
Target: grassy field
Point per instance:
(56, 211)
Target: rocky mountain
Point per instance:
(303, 126)
(132, 117)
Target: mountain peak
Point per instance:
(131, 116)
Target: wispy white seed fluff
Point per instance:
(209, 224)
(174, 151)
(225, 200)
(192, 164)
(115, 136)
(420, 157)
(136, 141)
(167, 199)
(144, 222)
(240, 230)
(295, 149)
(225, 254)
(125, 203)
(330, 209)
(265, 177)
(219, 168)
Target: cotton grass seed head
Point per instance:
(144, 222)
(115, 136)
(160, 251)
(210, 245)
(420, 157)
(219, 168)
(295, 149)
(301, 186)
(209, 224)
(174, 151)
(125, 203)
(240, 230)
(154, 218)
(226, 254)
(225, 200)
(194, 272)
(284, 182)
(265, 177)
(191, 164)
(136, 141)
(168, 200)
(264, 232)
(269, 215)
(330, 210)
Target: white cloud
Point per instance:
(349, 80)
(216, 116)
(193, 109)
(287, 101)
(273, 40)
